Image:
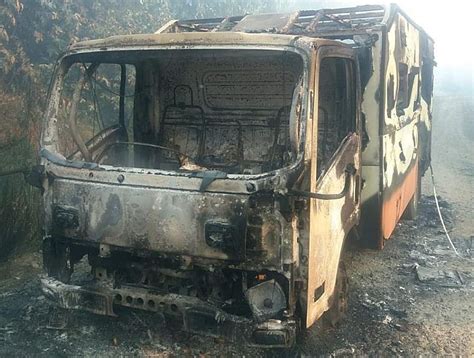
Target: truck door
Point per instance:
(335, 167)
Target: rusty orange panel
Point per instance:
(394, 205)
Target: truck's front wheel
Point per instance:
(338, 310)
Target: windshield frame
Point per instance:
(49, 137)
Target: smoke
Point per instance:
(448, 23)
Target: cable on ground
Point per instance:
(440, 215)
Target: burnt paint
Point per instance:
(234, 218)
(111, 216)
(65, 217)
(138, 234)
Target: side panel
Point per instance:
(397, 199)
(371, 199)
(403, 108)
(426, 99)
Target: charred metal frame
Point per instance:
(64, 221)
(145, 229)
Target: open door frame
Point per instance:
(331, 219)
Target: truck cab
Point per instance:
(211, 176)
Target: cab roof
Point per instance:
(191, 39)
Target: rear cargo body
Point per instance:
(213, 171)
(397, 107)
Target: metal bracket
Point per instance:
(349, 171)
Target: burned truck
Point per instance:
(213, 171)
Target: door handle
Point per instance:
(349, 172)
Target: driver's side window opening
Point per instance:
(91, 106)
(183, 110)
(336, 107)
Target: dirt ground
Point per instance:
(414, 297)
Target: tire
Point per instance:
(338, 310)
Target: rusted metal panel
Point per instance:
(401, 120)
(396, 200)
(330, 222)
(186, 38)
(153, 219)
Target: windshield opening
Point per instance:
(181, 110)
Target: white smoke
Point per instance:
(450, 24)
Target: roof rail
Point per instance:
(339, 23)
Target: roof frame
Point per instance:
(307, 22)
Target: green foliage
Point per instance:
(19, 203)
(36, 31)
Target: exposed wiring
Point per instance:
(439, 213)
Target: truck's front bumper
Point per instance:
(195, 315)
